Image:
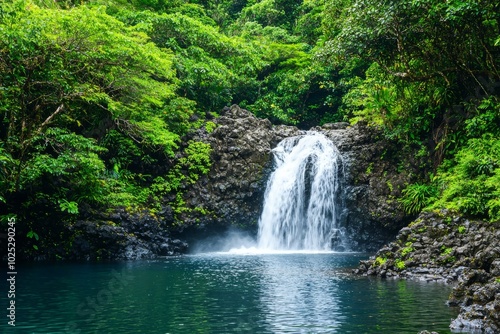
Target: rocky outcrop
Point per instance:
(374, 178)
(232, 193)
(440, 246)
(478, 295)
(122, 235)
(115, 235)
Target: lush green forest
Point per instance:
(98, 98)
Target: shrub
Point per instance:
(417, 196)
(471, 182)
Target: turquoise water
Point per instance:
(223, 293)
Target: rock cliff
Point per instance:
(233, 191)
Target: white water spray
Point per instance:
(302, 198)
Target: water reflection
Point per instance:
(299, 295)
(216, 293)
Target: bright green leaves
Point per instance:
(65, 163)
(70, 207)
(71, 74)
(417, 41)
(213, 68)
(418, 196)
(82, 59)
(153, 131)
(472, 184)
(194, 162)
(33, 235)
(425, 71)
(486, 118)
(471, 181)
(85, 53)
(265, 12)
(197, 159)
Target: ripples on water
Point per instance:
(225, 293)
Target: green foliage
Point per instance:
(70, 207)
(197, 160)
(210, 126)
(379, 261)
(446, 255)
(462, 229)
(33, 235)
(485, 117)
(418, 196)
(213, 69)
(410, 63)
(407, 250)
(64, 165)
(98, 98)
(446, 250)
(65, 71)
(471, 182)
(402, 35)
(7, 165)
(278, 13)
(89, 110)
(400, 264)
(309, 21)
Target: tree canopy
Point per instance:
(98, 98)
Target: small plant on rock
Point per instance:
(379, 261)
(407, 250)
(400, 264)
(417, 196)
(446, 250)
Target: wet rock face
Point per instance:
(121, 235)
(445, 247)
(373, 179)
(233, 191)
(478, 295)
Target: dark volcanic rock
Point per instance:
(242, 144)
(374, 179)
(122, 235)
(440, 246)
(232, 193)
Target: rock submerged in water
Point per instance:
(439, 246)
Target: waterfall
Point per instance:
(303, 196)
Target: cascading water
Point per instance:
(303, 196)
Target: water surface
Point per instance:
(224, 293)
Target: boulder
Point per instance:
(449, 250)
